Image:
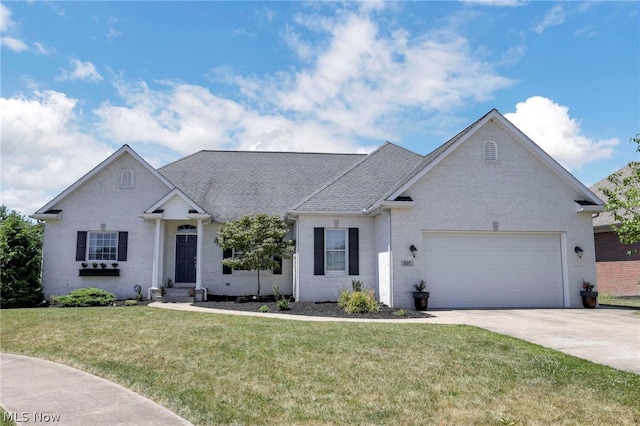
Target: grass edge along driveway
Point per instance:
(223, 369)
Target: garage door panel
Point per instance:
(493, 270)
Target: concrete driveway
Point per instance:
(607, 336)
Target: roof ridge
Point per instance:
(351, 169)
(340, 175)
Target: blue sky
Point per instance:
(79, 79)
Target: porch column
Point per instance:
(199, 256)
(155, 276)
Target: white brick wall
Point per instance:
(464, 194)
(327, 287)
(102, 201)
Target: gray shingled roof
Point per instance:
(228, 184)
(606, 218)
(364, 183)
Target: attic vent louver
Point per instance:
(490, 152)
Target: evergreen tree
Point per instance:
(20, 259)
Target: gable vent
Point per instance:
(490, 152)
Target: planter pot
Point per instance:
(99, 272)
(421, 300)
(589, 299)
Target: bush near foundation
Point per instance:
(358, 302)
(88, 296)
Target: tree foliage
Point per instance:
(623, 200)
(20, 259)
(258, 241)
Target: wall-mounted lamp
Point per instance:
(578, 251)
(413, 250)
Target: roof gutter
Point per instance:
(589, 208)
(386, 205)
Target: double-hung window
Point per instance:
(336, 250)
(103, 246)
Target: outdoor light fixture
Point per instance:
(413, 250)
(578, 251)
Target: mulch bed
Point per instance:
(321, 309)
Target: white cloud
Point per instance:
(186, 118)
(549, 125)
(357, 78)
(358, 75)
(41, 49)
(42, 150)
(359, 85)
(6, 23)
(14, 44)
(500, 3)
(555, 16)
(81, 71)
(7, 26)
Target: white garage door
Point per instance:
(493, 270)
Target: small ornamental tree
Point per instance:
(258, 240)
(623, 200)
(20, 257)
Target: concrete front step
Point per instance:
(175, 299)
(178, 295)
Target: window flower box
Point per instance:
(99, 272)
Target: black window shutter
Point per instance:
(278, 269)
(226, 254)
(81, 246)
(123, 242)
(354, 255)
(318, 251)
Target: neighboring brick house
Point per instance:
(488, 219)
(618, 272)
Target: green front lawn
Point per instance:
(623, 301)
(219, 369)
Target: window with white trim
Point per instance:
(103, 246)
(336, 250)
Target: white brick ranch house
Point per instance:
(488, 219)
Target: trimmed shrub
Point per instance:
(130, 302)
(283, 304)
(87, 297)
(360, 302)
(264, 308)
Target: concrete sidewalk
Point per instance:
(35, 391)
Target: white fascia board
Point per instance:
(594, 208)
(46, 216)
(442, 155)
(206, 218)
(542, 155)
(97, 169)
(295, 214)
(386, 205)
(169, 196)
(150, 216)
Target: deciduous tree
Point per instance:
(258, 241)
(623, 200)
